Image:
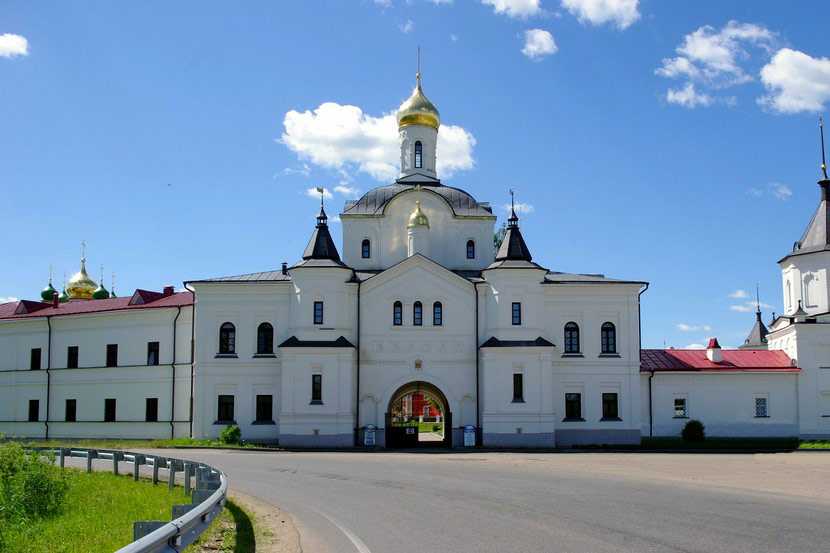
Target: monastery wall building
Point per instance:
(424, 333)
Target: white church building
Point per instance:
(420, 330)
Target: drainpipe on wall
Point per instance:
(357, 378)
(48, 372)
(173, 378)
(192, 353)
(479, 435)
(639, 353)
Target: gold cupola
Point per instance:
(81, 286)
(418, 110)
(418, 217)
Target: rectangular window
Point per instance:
(152, 353)
(517, 313)
(34, 410)
(680, 410)
(318, 312)
(112, 355)
(316, 388)
(610, 406)
(72, 357)
(71, 414)
(151, 410)
(518, 388)
(761, 407)
(109, 410)
(573, 406)
(264, 408)
(225, 409)
(34, 359)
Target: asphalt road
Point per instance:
(346, 502)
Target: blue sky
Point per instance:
(670, 142)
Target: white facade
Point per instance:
(316, 353)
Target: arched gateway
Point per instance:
(418, 416)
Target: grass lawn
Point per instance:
(429, 426)
(130, 444)
(814, 444)
(232, 530)
(715, 443)
(97, 516)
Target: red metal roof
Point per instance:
(733, 360)
(80, 307)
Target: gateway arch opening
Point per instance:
(418, 416)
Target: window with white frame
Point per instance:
(681, 407)
(761, 406)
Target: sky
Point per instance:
(671, 142)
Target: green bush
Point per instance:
(31, 487)
(694, 431)
(231, 435)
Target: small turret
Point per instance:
(417, 231)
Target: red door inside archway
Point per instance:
(418, 416)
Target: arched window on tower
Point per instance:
(265, 339)
(471, 249)
(608, 334)
(365, 249)
(571, 337)
(418, 314)
(227, 338)
(397, 314)
(419, 155)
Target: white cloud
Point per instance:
(795, 82)
(305, 170)
(383, 3)
(314, 193)
(775, 189)
(621, 13)
(346, 190)
(538, 44)
(407, 27)
(441, 2)
(454, 37)
(342, 137)
(683, 327)
(520, 207)
(714, 58)
(13, 45)
(688, 97)
(748, 307)
(515, 8)
(781, 191)
(739, 294)
(8, 299)
(695, 346)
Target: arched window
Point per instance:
(227, 338)
(571, 337)
(365, 249)
(471, 249)
(397, 314)
(419, 155)
(265, 339)
(437, 314)
(608, 334)
(418, 314)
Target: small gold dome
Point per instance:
(418, 217)
(80, 286)
(418, 110)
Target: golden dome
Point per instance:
(80, 286)
(418, 218)
(418, 110)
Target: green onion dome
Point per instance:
(100, 293)
(47, 293)
(64, 297)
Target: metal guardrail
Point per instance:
(208, 496)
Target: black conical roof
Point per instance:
(321, 246)
(758, 335)
(513, 247)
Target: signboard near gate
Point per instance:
(469, 436)
(369, 436)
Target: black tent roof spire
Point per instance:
(321, 245)
(513, 247)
